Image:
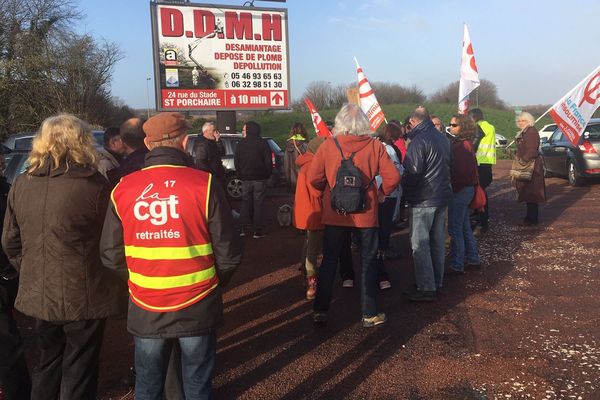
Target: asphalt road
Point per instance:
(524, 327)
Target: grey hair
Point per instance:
(206, 125)
(351, 120)
(420, 114)
(527, 117)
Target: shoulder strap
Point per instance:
(341, 152)
(337, 144)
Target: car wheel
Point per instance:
(573, 174)
(234, 187)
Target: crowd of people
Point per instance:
(143, 228)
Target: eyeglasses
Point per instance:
(454, 125)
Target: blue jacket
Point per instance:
(426, 179)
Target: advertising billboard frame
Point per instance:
(156, 56)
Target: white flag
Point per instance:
(469, 76)
(574, 110)
(368, 101)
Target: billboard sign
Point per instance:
(212, 57)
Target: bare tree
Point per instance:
(487, 95)
(46, 68)
(319, 93)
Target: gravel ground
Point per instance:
(526, 326)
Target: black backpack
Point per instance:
(348, 193)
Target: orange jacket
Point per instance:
(308, 207)
(371, 159)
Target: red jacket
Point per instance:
(371, 159)
(308, 202)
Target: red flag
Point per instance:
(469, 75)
(574, 110)
(368, 101)
(320, 125)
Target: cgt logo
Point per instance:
(158, 209)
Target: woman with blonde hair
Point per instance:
(463, 175)
(531, 192)
(51, 235)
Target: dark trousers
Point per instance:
(253, 197)
(485, 179)
(333, 237)
(69, 358)
(14, 376)
(385, 217)
(532, 213)
(346, 266)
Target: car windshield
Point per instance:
(593, 131)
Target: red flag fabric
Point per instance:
(469, 75)
(574, 110)
(320, 125)
(368, 101)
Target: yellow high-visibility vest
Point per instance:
(486, 152)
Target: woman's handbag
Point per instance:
(479, 200)
(522, 170)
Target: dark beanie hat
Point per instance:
(252, 128)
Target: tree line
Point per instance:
(46, 67)
(325, 96)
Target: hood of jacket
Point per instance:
(352, 143)
(304, 159)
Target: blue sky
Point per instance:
(533, 50)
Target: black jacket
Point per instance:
(252, 159)
(133, 162)
(51, 236)
(207, 157)
(426, 179)
(203, 316)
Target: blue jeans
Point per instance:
(427, 235)
(462, 243)
(197, 365)
(333, 238)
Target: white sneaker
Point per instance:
(385, 285)
(348, 283)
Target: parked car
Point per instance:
(500, 140)
(15, 164)
(23, 140)
(234, 185)
(576, 163)
(547, 131)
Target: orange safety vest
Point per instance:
(168, 250)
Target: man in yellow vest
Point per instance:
(170, 232)
(485, 151)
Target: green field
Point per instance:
(278, 124)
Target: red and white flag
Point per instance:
(574, 110)
(469, 76)
(367, 100)
(320, 125)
